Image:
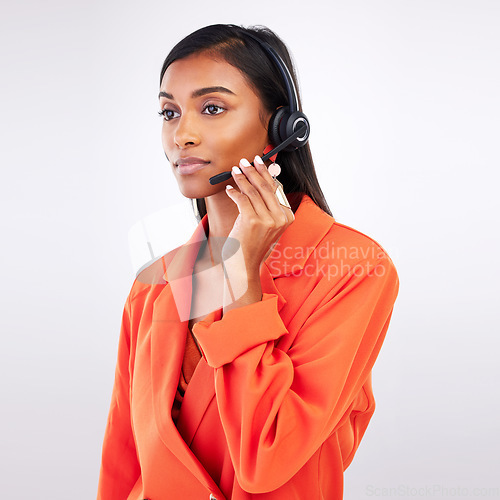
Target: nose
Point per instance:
(186, 132)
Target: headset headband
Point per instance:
(293, 101)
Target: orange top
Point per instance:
(282, 396)
(191, 358)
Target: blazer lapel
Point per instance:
(169, 328)
(201, 388)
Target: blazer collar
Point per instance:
(299, 240)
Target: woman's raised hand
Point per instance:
(262, 219)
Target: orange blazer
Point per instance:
(282, 396)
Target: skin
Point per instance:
(224, 129)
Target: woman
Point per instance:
(245, 356)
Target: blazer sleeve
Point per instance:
(120, 467)
(276, 407)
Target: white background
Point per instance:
(404, 104)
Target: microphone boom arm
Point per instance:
(224, 176)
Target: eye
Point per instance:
(213, 109)
(167, 114)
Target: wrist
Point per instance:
(241, 289)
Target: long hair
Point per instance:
(228, 41)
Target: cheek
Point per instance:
(167, 139)
(245, 138)
(165, 142)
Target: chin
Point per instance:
(199, 188)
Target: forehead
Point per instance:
(203, 70)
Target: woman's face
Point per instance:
(211, 119)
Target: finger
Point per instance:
(265, 175)
(265, 184)
(245, 208)
(254, 187)
(271, 206)
(264, 171)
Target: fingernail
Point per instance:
(236, 170)
(258, 160)
(245, 162)
(228, 186)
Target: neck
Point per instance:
(221, 215)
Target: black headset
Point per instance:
(288, 127)
(286, 120)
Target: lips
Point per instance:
(190, 165)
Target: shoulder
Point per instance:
(351, 250)
(331, 239)
(350, 266)
(354, 242)
(332, 253)
(358, 256)
(150, 278)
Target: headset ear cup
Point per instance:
(293, 123)
(273, 129)
(283, 124)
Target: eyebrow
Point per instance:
(200, 92)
